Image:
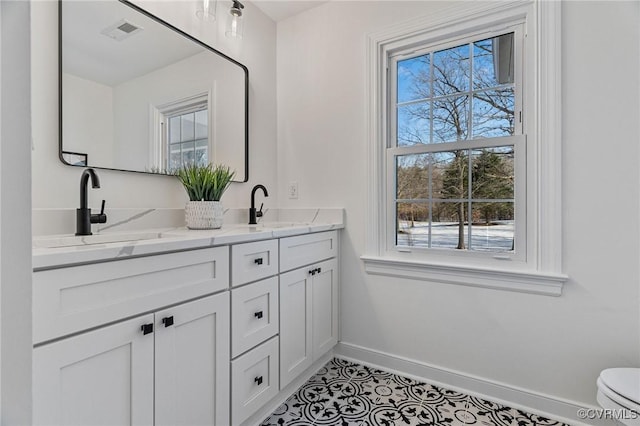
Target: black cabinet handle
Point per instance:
(258, 314)
(258, 380)
(147, 328)
(315, 271)
(167, 321)
(258, 261)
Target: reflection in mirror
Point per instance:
(140, 95)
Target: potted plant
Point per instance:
(205, 186)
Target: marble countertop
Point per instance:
(67, 250)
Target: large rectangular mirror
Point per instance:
(138, 94)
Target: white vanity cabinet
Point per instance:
(254, 347)
(110, 375)
(192, 363)
(308, 301)
(196, 336)
(254, 315)
(253, 261)
(166, 367)
(103, 376)
(255, 380)
(76, 298)
(254, 327)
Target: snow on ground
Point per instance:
(497, 237)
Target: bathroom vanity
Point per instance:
(190, 327)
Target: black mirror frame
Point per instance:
(177, 30)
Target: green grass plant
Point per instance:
(205, 183)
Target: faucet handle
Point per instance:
(259, 212)
(99, 218)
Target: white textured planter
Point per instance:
(204, 214)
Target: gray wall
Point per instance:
(15, 214)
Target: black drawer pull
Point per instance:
(146, 328)
(258, 314)
(258, 261)
(258, 380)
(319, 270)
(167, 321)
(312, 272)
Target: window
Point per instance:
(182, 133)
(464, 148)
(187, 137)
(454, 143)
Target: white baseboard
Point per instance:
(532, 402)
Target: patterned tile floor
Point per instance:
(345, 394)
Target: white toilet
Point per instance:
(619, 390)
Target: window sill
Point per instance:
(520, 281)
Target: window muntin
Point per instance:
(187, 137)
(456, 151)
(438, 91)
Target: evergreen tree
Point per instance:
(492, 176)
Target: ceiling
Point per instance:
(89, 54)
(279, 10)
(93, 56)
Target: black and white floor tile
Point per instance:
(346, 394)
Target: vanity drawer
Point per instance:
(254, 380)
(254, 314)
(77, 298)
(306, 249)
(253, 261)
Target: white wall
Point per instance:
(56, 185)
(15, 207)
(89, 116)
(551, 346)
(196, 75)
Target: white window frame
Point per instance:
(539, 270)
(518, 141)
(158, 138)
(179, 111)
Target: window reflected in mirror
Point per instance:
(138, 94)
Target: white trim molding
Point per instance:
(549, 130)
(158, 154)
(541, 270)
(501, 393)
(500, 279)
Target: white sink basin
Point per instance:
(72, 240)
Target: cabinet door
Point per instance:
(324, 294)
(101, 377)
(192, 363)
(295, 324)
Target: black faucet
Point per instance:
(253, 214)
(84, 218)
